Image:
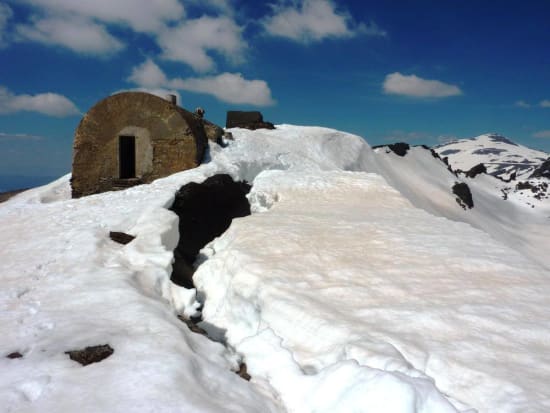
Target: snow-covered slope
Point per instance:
(519, 221)
(343, 291)
(501, 156)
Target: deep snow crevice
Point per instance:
(205, 212)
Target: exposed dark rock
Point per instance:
(543, 171)
(464, 195)
(205, 212)
(4, 196)
(14, 355)
(399, 148)
(248, 120)
(89, 355)
(450, 151)
(500, 138)
(243, 373)
(476, 170)
(121, 237)
(488, 151)
(526, 185)
(539, 189)
(193, 326)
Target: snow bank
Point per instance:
(66, 286)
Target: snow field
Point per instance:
(66, 286)
(341, 293)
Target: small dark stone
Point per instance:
(14, 355)
(464, 195)
(121, 237)
(89, 355)
(243, 373)
(476, 170)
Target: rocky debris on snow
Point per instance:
(89, 355)
(247, 120)
(14, 355)
(476, 170)
(243, 372)
(205, 212)
(543, 171)
(464, 195)
(193, 326)
(539, 189)
(121, 237)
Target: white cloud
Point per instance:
(190, 41)
(5, 14)
(50, 104)
(141, 16)
(19, 137)
(148, 75)
(227, 87)
(542, 134)
(522, 104)
(545, 103)
(314, 20)
(230, 87)
(75, 33)
(412, 85)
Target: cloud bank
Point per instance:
(50, 104)
(414, 86)
(227, 87)
(191, 41)
(542, 134)
(77, 34)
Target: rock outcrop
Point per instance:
(463, 195)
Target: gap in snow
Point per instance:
(205, 212)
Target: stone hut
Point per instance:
(134, 137)
(247, 120)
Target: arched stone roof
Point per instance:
(167, 139)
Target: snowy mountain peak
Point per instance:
(501, 156)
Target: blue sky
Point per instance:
(421, 72)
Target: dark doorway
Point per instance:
(127, 156)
